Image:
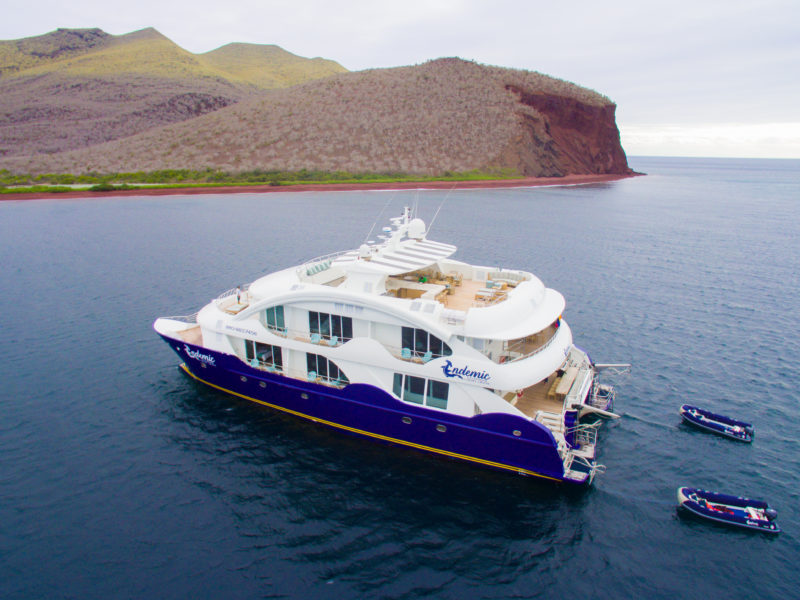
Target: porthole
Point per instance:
(243, 378)
(517, 432)
(407, 420)
(441, 428)
(263, 384)
(304, 396)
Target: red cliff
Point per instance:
(562, 135)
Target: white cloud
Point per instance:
(742, 140)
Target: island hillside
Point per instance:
(74, 88)
(89, 102)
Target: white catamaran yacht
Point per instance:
(399, 342)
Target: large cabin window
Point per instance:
(263, 355)
(422, 344)
(275, 319)
(320, 368)
(419, 390)
(437, 394)
(330, 326)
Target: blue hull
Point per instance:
(498, 441)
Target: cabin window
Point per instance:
(328, 326)
(419, 390)
(437, 394)
(263, 355)
(397, 388)
(420, 343)
(414, 390)
(325, 370)
(275, 319)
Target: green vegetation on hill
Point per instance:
(245, 63)
(62, 182)
(19, 55)
(94, 53)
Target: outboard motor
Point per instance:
(771, 513)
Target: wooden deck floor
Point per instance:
(463, 296)
(192, 336)
(535, 398)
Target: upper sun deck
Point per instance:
(415, 279)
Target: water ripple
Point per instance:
(122, 477)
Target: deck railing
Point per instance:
(232, 292)
(602, 396)
(318, 264)
(191, 319)
(583, 434)
(586, 468)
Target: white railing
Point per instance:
(299, 374)
(232, 292)
(584, 434)
(592, 468)
(191, 319)
(535, 351)
(307, 376)
(615, 369)
(602, 396)
(306, 336)
(509, 276)
(318, 264)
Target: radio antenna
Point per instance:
(378, 218)
(436, 214)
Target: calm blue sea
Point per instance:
(121, 478)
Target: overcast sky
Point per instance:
(689, 77)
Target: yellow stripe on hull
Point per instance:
(373, 435)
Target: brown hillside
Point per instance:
(76, 88)
(447, 114)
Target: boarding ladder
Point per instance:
(579, 461)
(584, 434)
(580, 469)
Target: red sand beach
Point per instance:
(332, 187)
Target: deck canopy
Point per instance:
(398, 258)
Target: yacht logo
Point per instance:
(464, 373)
(197, 355)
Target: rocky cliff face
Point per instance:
(562, 135)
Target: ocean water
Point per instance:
(120, 477)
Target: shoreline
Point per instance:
(329, 187)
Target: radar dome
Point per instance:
(363, 251)
(416, 229)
